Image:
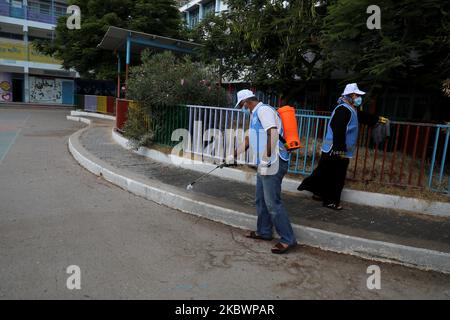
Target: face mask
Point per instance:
(246, 110)
(357, 102)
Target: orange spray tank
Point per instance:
(287, 115)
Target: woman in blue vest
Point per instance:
(327, 180)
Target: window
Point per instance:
(16, 4)
(193, 17)
(32, 38)
(44, 8)
(33, 6)
(11, 35)
(60, 11)
(209, 8)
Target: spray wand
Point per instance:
(190, 186)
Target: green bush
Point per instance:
(166, 81)
(136, 128)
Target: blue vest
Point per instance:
(351, 137)
(258, 138)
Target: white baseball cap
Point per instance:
(242, 95)
(352, 88)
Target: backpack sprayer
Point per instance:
(290, 140)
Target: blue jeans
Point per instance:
(270, 209)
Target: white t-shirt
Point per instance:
(268, 117)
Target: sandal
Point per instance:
(280, 248)
(333, 206)
(254, 235)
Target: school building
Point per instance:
(25, 74)
(195, 10)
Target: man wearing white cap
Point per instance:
(272, 161)
(327, 180)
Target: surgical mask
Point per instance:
(246, 111)
(357, 102)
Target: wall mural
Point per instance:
(45, 90)
(5, 87)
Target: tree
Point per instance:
(78, 48)
(160, 85)
(284, 44)
(412, 45)
(269, 43)
(164, 78)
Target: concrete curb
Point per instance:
(166, 195)
(78, 113)
(380, 200)
(79, 119)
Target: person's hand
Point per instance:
(339, 154)
(229, 159)
(382, 120)
(265, 168)
(264, 163)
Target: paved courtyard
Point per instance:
(54, 214)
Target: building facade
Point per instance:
(195, 10)
(27, 75)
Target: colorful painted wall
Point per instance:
(16, 50)
(5, 87)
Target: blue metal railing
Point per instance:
(311, 130)
(415, 155)
(438, 169)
